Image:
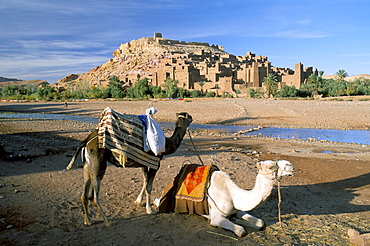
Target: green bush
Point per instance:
(196, 93)
(210, 94)
(141, 89)
(288, 91)
(170, 88)
(252, 93)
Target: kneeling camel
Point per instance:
(226, 199)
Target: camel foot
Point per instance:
(260, 225)
(240, 231)
(87, 223)
(157, 202)
(262, 228)
(138, 203)
(151, 211)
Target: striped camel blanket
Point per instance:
(124, 135)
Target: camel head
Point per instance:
(285, 168)
(184, 120)
(275, 169)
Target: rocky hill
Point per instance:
(18, 82)
(137, 57)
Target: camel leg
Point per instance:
(94, 170)
(148, 190)
(96, 201)
(218, 219)
(243, 218)
(139, 199)
(149, 175)
(84, 196)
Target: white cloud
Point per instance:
(58, 44)
(299, 34)
(46, 7)
(50, 66)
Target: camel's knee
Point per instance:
(84, 200)
(216, 220)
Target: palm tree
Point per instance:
(312, 84)
(270, 82)
(201, 84)
(341, 74)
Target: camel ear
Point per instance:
(258, 165)
(183, 115)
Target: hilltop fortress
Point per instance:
(157, 58)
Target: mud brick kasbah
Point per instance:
(157, 58)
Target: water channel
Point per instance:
(345, 136)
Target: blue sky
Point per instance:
(49, 39)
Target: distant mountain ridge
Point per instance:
(3, 79)
(18, 82)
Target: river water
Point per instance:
(345, 136)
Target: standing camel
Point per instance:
(95, 163)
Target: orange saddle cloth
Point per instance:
(194, 180)
(186, 194)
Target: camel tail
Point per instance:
(80, 147)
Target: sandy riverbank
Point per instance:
(328, 195)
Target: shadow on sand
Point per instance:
(51, 108)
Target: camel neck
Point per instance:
(173, 142)
(247, 200)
